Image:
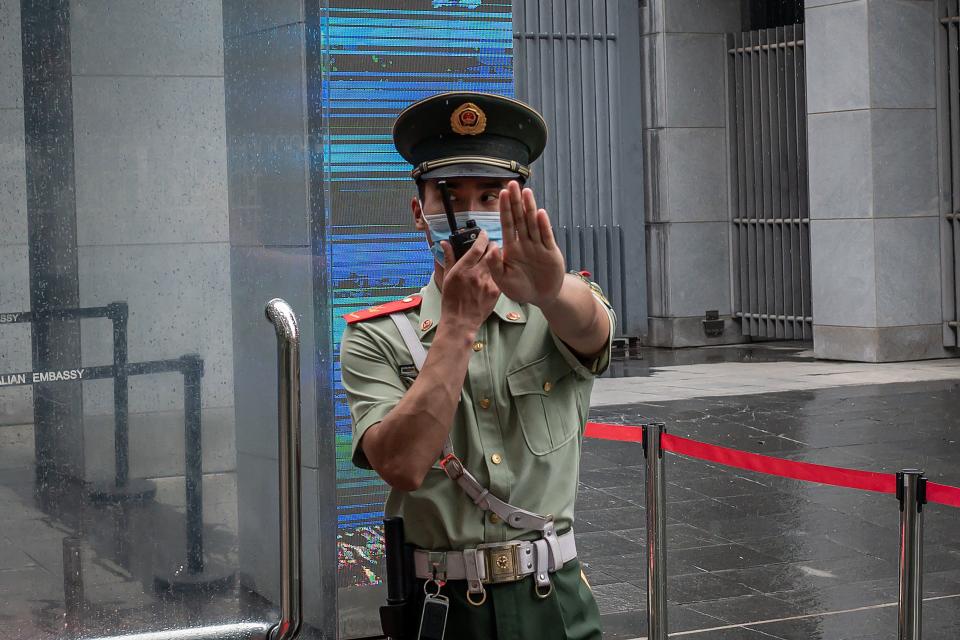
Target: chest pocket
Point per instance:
(545, 396)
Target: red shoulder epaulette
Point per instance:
(384, 309)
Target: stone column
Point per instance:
(875, 229)
(684, 62)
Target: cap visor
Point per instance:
(469, 171)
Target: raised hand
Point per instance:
(529, 267)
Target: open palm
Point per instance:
(530, 266)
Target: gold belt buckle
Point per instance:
(502, 563)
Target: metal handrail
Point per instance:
(284, 321)
(288, 417)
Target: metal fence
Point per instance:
(767, 142)
(948, 88)
(577, 61)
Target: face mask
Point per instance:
(489, 221)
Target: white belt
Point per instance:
(494, 563)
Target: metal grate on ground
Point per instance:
(767, 143)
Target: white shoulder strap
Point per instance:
(410, 338)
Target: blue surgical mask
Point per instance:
(489, 221)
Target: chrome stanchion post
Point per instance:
(912, 494)
(288, 409)
(656, 533)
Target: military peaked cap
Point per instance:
(466, 133)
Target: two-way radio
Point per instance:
(460, 239)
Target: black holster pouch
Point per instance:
(397, 617)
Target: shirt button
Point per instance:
(478, 346)
(496, 458)
(485, 403)
(494, 518)
(426, 324)
(547, 386)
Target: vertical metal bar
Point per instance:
(761, 151)
(776, 212)
(561, 100)
(602, 102)
(805, 298)
(766, 264)
(790, 157)
(743, 191)
(615, 293)
(552, 165)
(578, 183)
(759, 184)
(575, 254)
(613, 81)
(601, 253)
(954, 66)
(193, 460)
(911, 492)
(119, 316)
(589, 89)
(288, 418)
(794, 181)
(733, 177)
(786, 225)
(749, 72)
(792, 282)
(586, 247)
(656, 486)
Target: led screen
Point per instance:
(381, 57)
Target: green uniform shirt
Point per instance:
(518, 427)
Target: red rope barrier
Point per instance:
(806, 471)
(943, 494)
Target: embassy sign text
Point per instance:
(35, 377)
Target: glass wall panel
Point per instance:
(118, 455)
(165, 169)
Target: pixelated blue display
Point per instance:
(380, 57)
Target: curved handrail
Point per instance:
(284, 321)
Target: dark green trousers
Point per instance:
(513, 611)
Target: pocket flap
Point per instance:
(538, 376)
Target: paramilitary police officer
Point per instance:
(470, 398)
